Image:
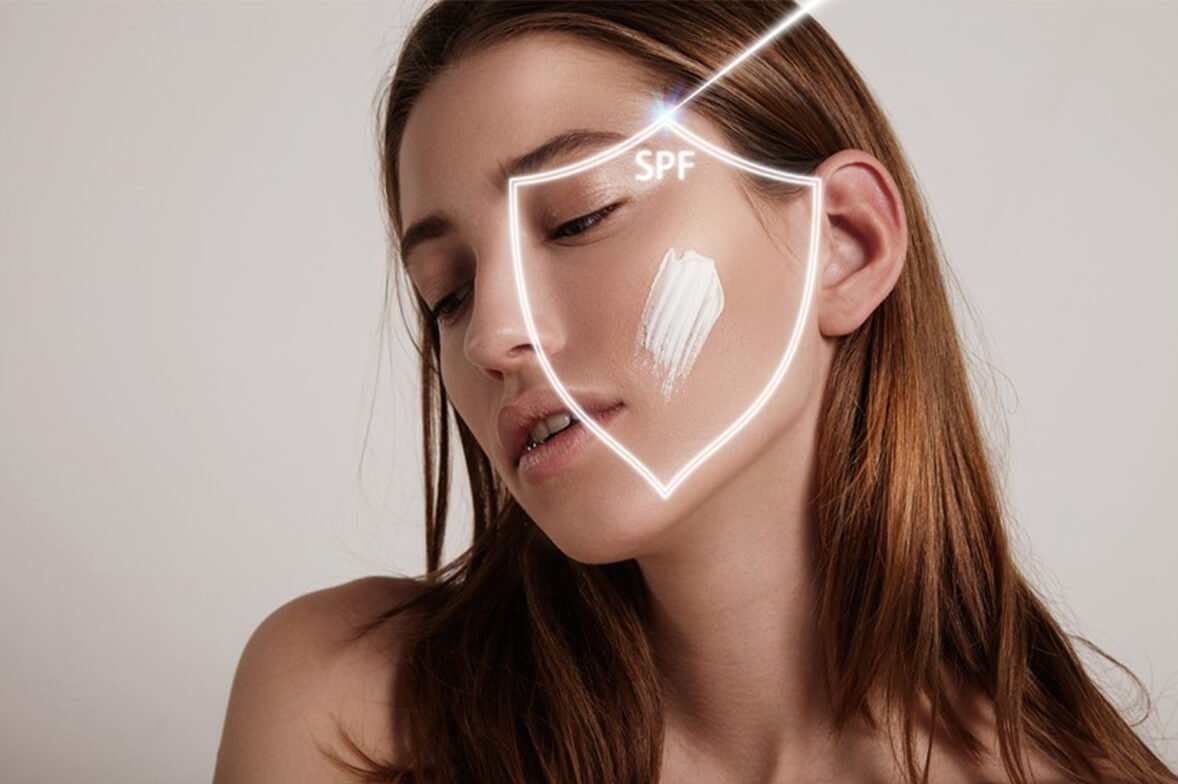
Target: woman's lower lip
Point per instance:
(557, 452)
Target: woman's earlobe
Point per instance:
(864, 242)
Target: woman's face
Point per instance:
(678, 357)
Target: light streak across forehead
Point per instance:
(804, 9)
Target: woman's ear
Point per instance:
(865, 240)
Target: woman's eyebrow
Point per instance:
(431, 228)
(562, 144)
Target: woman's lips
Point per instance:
(594, 412)
(557, 453)
(518, 417)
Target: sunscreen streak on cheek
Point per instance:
(684, 302)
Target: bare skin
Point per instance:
(724, 558)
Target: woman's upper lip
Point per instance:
(518, 416)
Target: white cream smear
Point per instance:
(684, 302)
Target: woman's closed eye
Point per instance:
(450, 306)
(583, 223)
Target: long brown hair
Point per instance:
(526, 666)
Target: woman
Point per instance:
(830, 596)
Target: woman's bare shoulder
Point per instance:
(304, 676)
(949, 762)
(977, 710)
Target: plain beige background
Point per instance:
(191, 272)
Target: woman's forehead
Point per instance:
(497, 104)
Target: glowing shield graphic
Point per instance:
(516, 186)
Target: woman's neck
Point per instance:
(733, 615)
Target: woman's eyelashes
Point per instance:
(441, 313)
(450, 306)
(583, 223)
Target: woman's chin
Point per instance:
(608, 527)
(605, 548)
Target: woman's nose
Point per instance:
(497, 339)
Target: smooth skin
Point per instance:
(724, 558)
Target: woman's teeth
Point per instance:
(549, 427)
